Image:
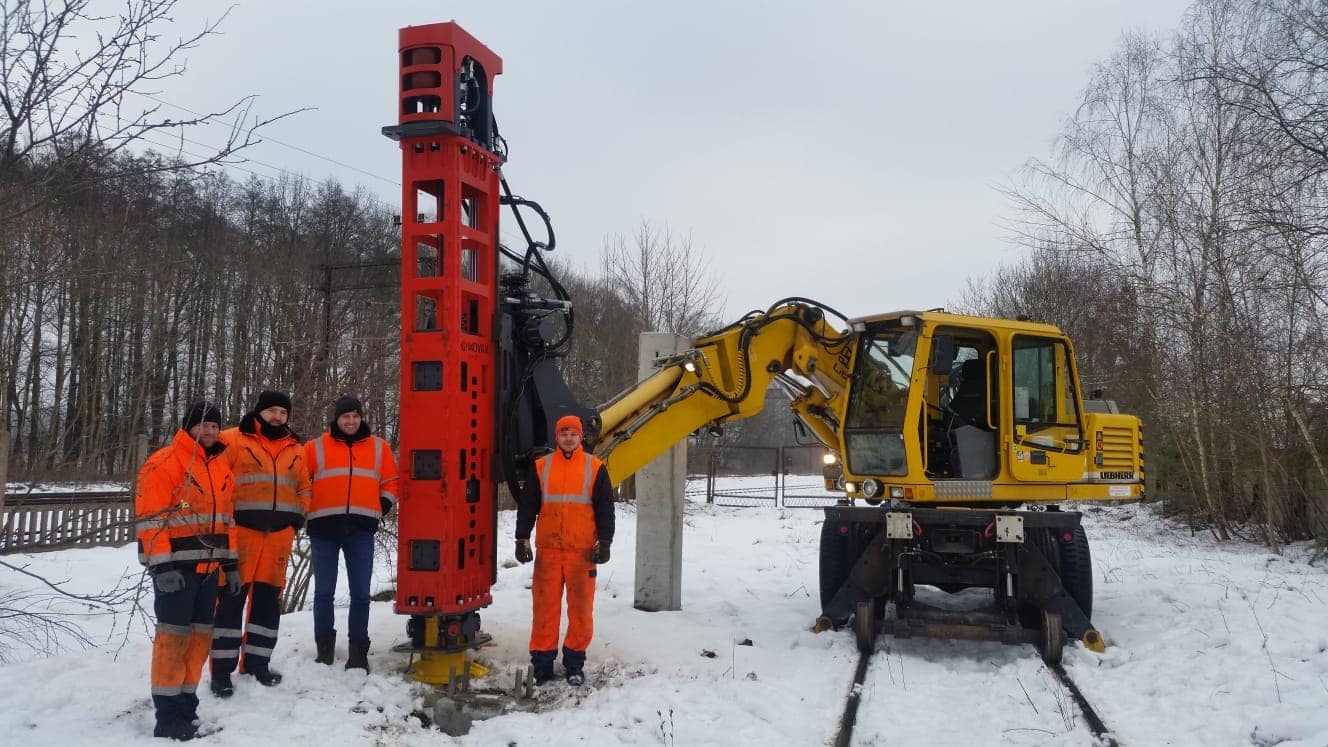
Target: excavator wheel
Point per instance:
(1076, 570)
(1051, 640)
(835, 564)
(864, 625)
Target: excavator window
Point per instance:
(879, 399)
(1044, 392)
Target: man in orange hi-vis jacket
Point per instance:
(271, 498)
(355, 486)
(570, 507)
(182, 513)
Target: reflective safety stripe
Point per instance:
(174, 690)
(261, 651)
(265, 479)
(261, 630)
(319, 458)
(227, 632)
(173, 629)
(269, 506)
(567, 498)
(320, 513)
(392, 499)
(195, 554)
(341, 511)
(582, 497)
(202, 628)
(151, 560)
(186, 520)
(231, 653)
(324, 474)
(373, 513)
(189, 689)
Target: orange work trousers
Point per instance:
(554, 571)
(263, 555)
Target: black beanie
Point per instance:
(269, 398)
(347, 404)
(200, 412)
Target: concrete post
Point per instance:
(659, 491)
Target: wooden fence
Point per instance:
(54, 521)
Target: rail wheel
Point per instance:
(1051, 640)
(864, 626)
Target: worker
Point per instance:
(570, 507)
(354, 488)
(271, 498)
(182, 514)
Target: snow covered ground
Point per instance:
(1208, 645)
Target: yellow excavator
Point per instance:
(956, 440)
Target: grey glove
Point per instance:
(233, 584)
(168, 582)
(523, 552)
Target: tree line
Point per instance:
(128, 299)
(1180, 236)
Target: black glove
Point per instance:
(523, 553)
(233, 584)
(600, 554)
(387, 506)
(168, 582)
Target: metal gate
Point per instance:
(800, 482)
(767, 476)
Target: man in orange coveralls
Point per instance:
(271, 498)
(572, 498)
(182, 513)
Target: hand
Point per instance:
(523, 553)
(600, 554)
(168, 582)
(386, 506)
(233, 584)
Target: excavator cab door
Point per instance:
(1048, 439)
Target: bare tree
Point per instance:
(666, 278)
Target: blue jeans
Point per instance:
(358, 547)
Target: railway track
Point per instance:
(844, 734)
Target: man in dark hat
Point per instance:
(186, 538)
(271, 498)
(355, 486)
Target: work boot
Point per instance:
(575, 677)
(326, 649)
(266, 677)
(358, 658)
(543, 674)
(222, 687)
(181, 731)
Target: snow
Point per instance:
(1208, 644)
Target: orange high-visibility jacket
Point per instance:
(572, 493)
(272, 485)
(182, 508)
(351, 478)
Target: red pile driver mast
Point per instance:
(449, 262)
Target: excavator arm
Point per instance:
(724, 377)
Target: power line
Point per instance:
(237, 125)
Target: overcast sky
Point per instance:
(843, 151)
